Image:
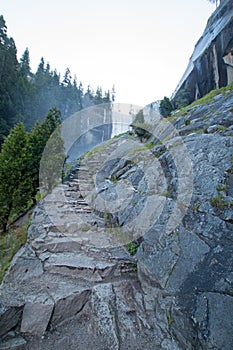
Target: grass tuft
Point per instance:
(203, 101)
(10, 243)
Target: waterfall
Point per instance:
(120, 123)
(97, 124)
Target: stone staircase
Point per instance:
(73, 279)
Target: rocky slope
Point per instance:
(75, 286)
(211, 64)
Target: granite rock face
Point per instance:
(211, 64)
(194, 262)
(74, 284)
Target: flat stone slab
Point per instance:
(36, 317)
(79, 265)
(77, 260)
(56, 244)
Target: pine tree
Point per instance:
(15, 174)
(20, 162)
(40, 69)
(52, 161)
(25, 64)
(106, 98)
(38, 139)
(67, 78)
(80, 96)
(98, 96)
(52, 156)
(9, 114)
(166, 107)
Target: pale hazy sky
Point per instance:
(141, 46)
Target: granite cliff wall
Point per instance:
(211, 64)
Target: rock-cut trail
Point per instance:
(73, 285)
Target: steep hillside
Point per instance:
(75, 285)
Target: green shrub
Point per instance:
(132, 248)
